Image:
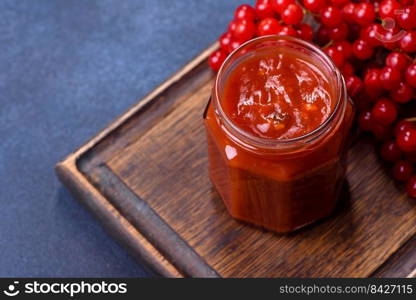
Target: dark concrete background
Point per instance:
(67, 68)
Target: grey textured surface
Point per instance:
(67, 69)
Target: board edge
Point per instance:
(112, 220)
(74, 180)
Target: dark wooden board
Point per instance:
(145, 177)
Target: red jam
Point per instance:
(277, 95)
(277, 128)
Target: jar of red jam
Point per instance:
(277, 128)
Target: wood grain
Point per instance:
(145, 176)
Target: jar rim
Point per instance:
(273, 143)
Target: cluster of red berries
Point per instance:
(373, 43)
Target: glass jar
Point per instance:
(279, 184)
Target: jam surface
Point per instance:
(277, 94)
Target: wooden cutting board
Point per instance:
(145, 177)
